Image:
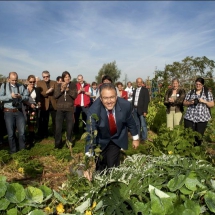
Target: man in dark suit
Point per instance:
(140, 104)
(115, 118)
(48, 104)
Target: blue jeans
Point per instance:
(15, 120)
(141, 125)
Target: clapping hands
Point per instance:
(63, 86)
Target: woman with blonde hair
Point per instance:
(173, 101)
(32, 108)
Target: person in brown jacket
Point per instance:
(48, 104)
(65, 93)
(173, 100)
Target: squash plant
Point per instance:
(15, 199)
(143, 184)
(154, 185)
(178, 141)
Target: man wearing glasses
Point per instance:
(115, 118)
(48, 104)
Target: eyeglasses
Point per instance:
(112, 98)
(32, 82)
(47, 76)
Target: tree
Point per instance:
(74, 80)
(2, 78)
(209, 83)
(188, 70)
(110, 69)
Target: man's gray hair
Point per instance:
(46, 72)
(108, 86)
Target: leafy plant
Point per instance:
(156, 115)
(178, 141)
(88, 160)
(143, 184)
(63, 154)
(5, 157)
(153, 185)
(210, 131)
(26, 165)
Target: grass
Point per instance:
(57, 162)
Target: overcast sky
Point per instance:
(80, 36)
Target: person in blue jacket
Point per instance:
(12, 95)
(115, 118)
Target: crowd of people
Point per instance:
(26, 108)
(119, 110)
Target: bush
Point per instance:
(156, 115)
(5, 157)
(178, 141)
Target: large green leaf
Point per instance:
(3, 178)
(192, 183)
(59, 197)
(210, 200)
(83, 207)
(12, 211)
(4, 204)
(15, 193)
(47, 192)
(176, 183)
(168, 205)
(213, 183)
(185, 191)
(34, 195)
(188, 212)
(26, 210)
(141, 207)
(179, 210)
(3, 188)
(192, 205)
(37, 212)
(156, 204)
(164, 200)
(158, 192)
(27, 202)
(99, 206)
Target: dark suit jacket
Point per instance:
(124, 120)
(45, 99)
(143, 100)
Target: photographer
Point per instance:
(32, 107)
(199, 101)
(12, 95)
